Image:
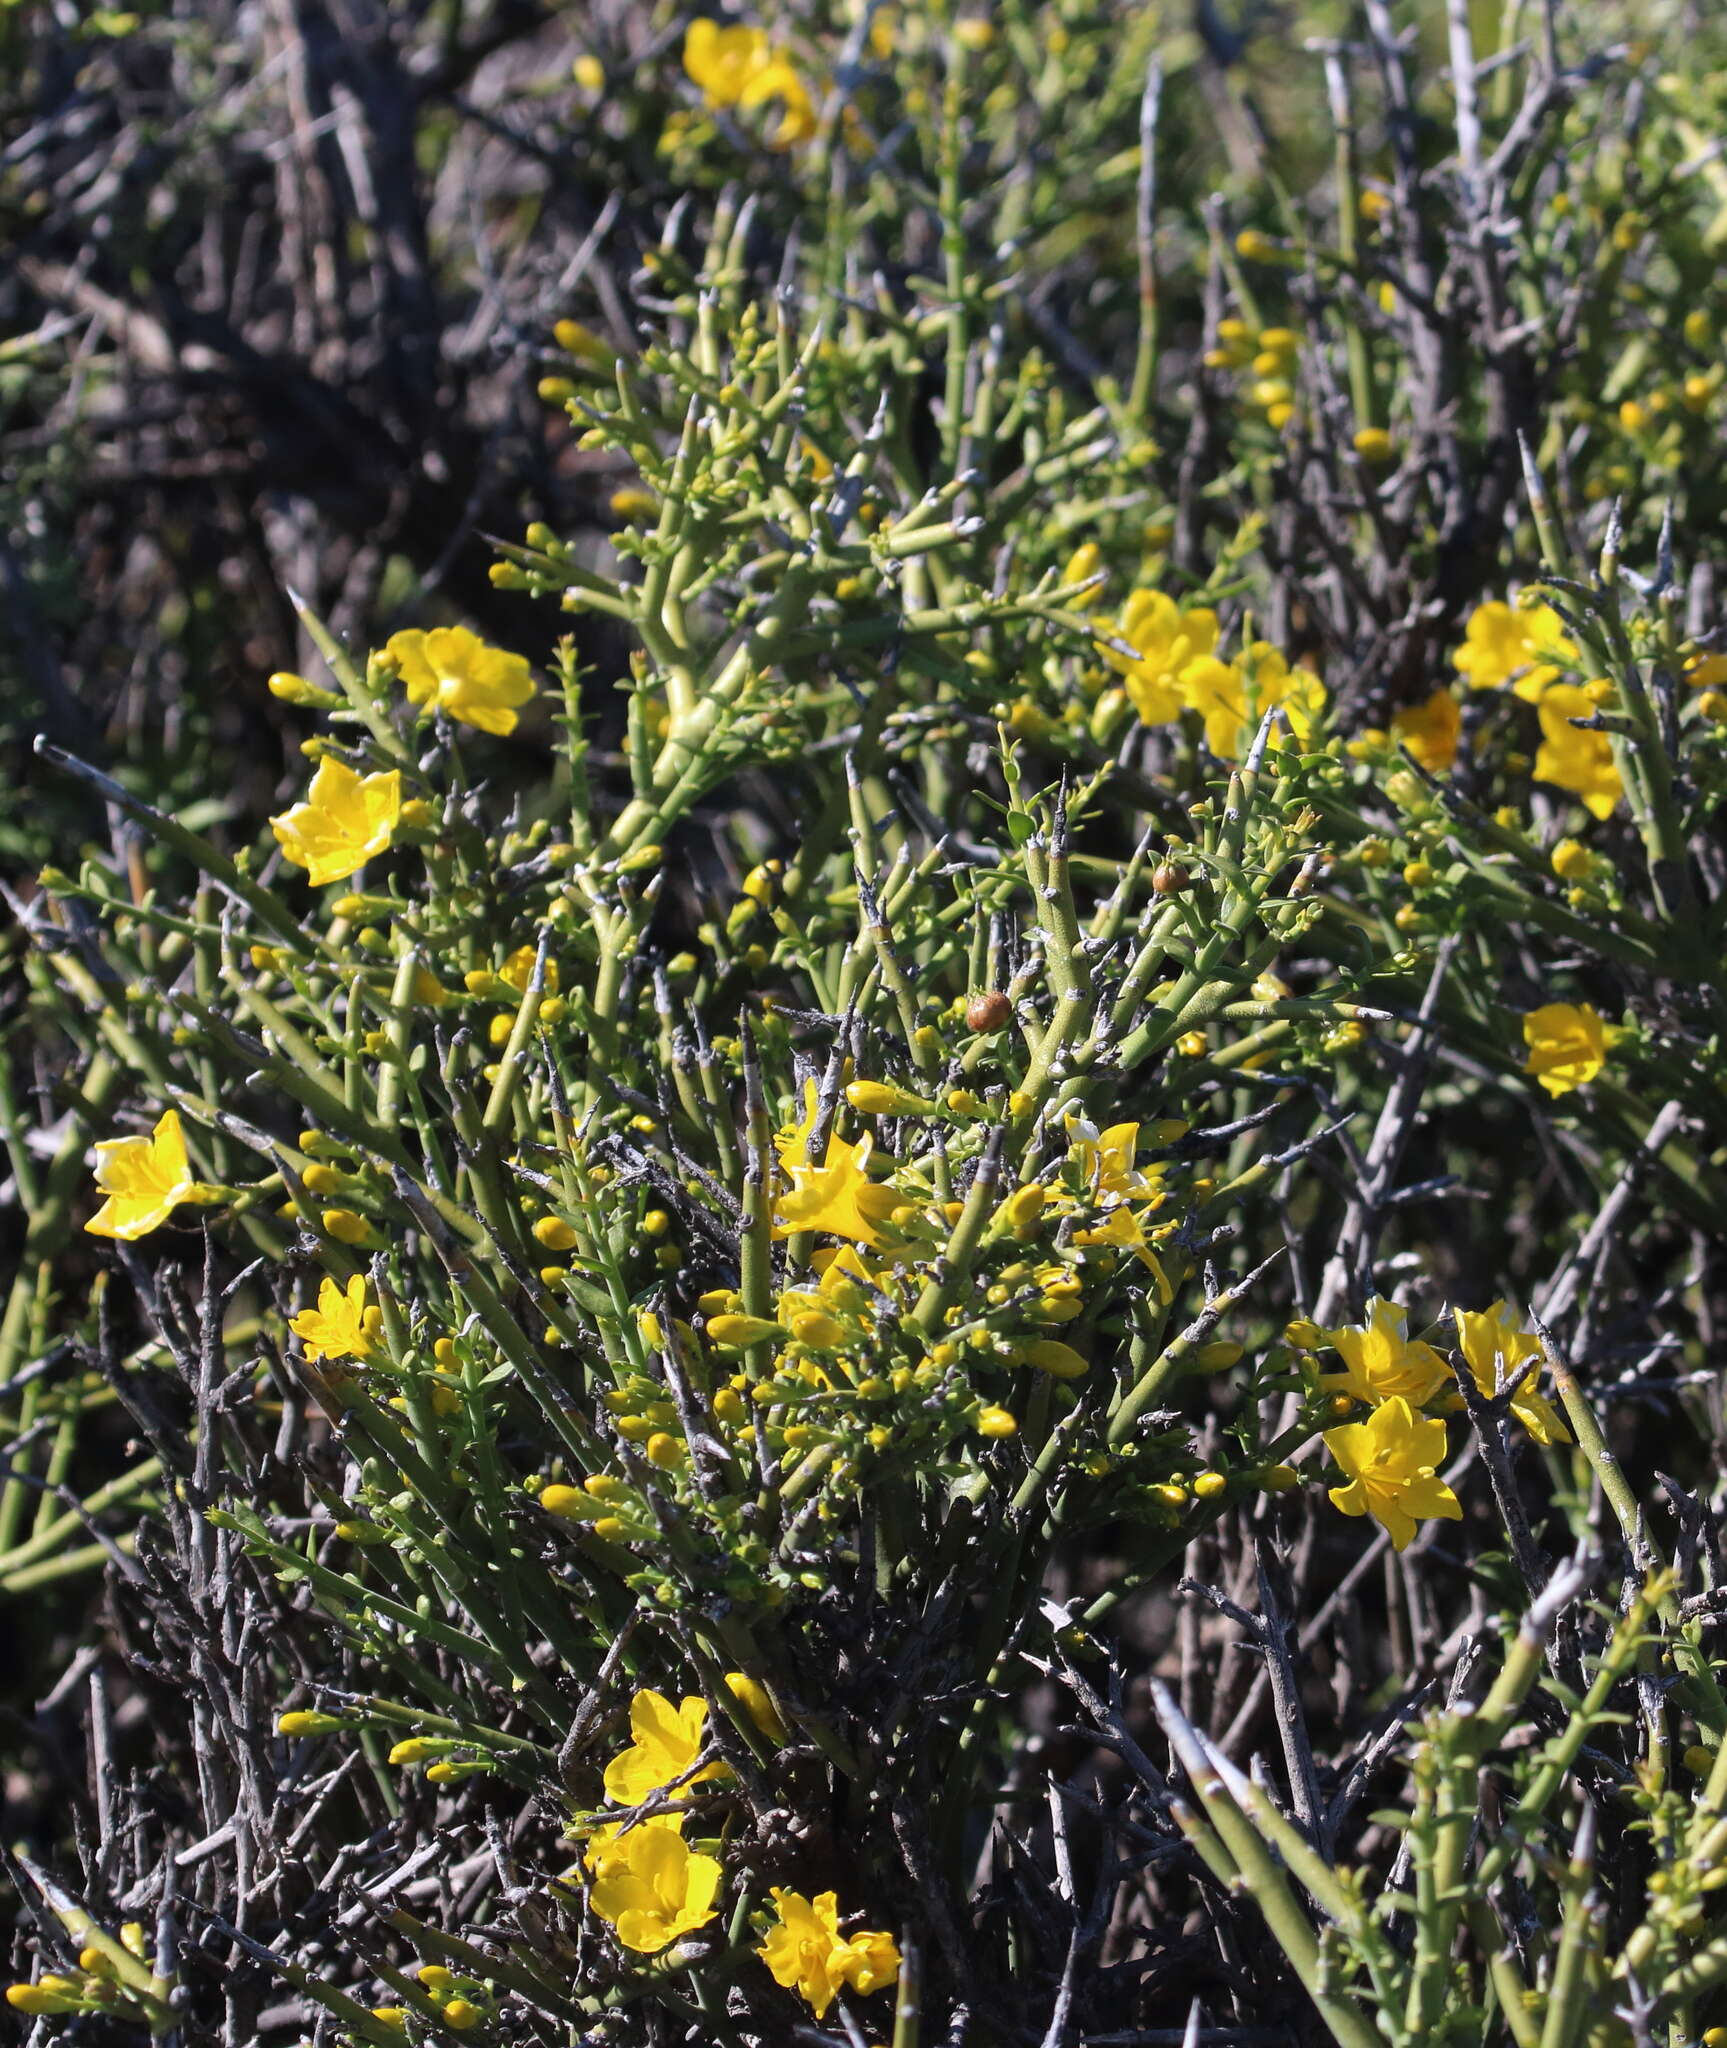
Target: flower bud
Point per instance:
(882, 1098)
(737, 1333)
(753, 1697)
(1059, 1360)
(346, 1226)
(308, 1721)
(293, 689)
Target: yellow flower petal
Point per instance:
(143, 1179)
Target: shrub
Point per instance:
(741, 1323)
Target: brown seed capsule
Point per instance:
(988, 1012)
(1168, 879)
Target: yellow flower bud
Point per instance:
(462, 2013)
(736, 1333)
(307, 1721)
(1059, 1360)
(1632, 417)
(1279, 1478)
(568, 1503)
(571, 335)
(554, 1234)
(1572, 862)
(1191, 1045)
(753, 1698)
(664, 1450)
(1023, 1208)
(415, 1750)
(1256, 247)
(293, 689)
(346, 1226)
(974, 33)
(50, 1995)
(1210, 1485)
(882, 1098)
(996, 1423)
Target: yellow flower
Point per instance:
(1525, 648)
(649, 1884)
(838, 1196)
(1106, 1161)
(1169, 640)
(346, 818)
(1579, 761)
(454, 671)
(1491, 1336)
(807, 1953)
(739, 67)
(341, 1326)
(722, 61)
(518, 970)
(1118, 1187)
(1705, 671)
(667, 1742)
(1567, 1045)
(1380, 1363)
(1392, 1460)
(1233, 697)
(1430, 729)
(143, 1179)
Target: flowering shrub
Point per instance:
(1028, 1109)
